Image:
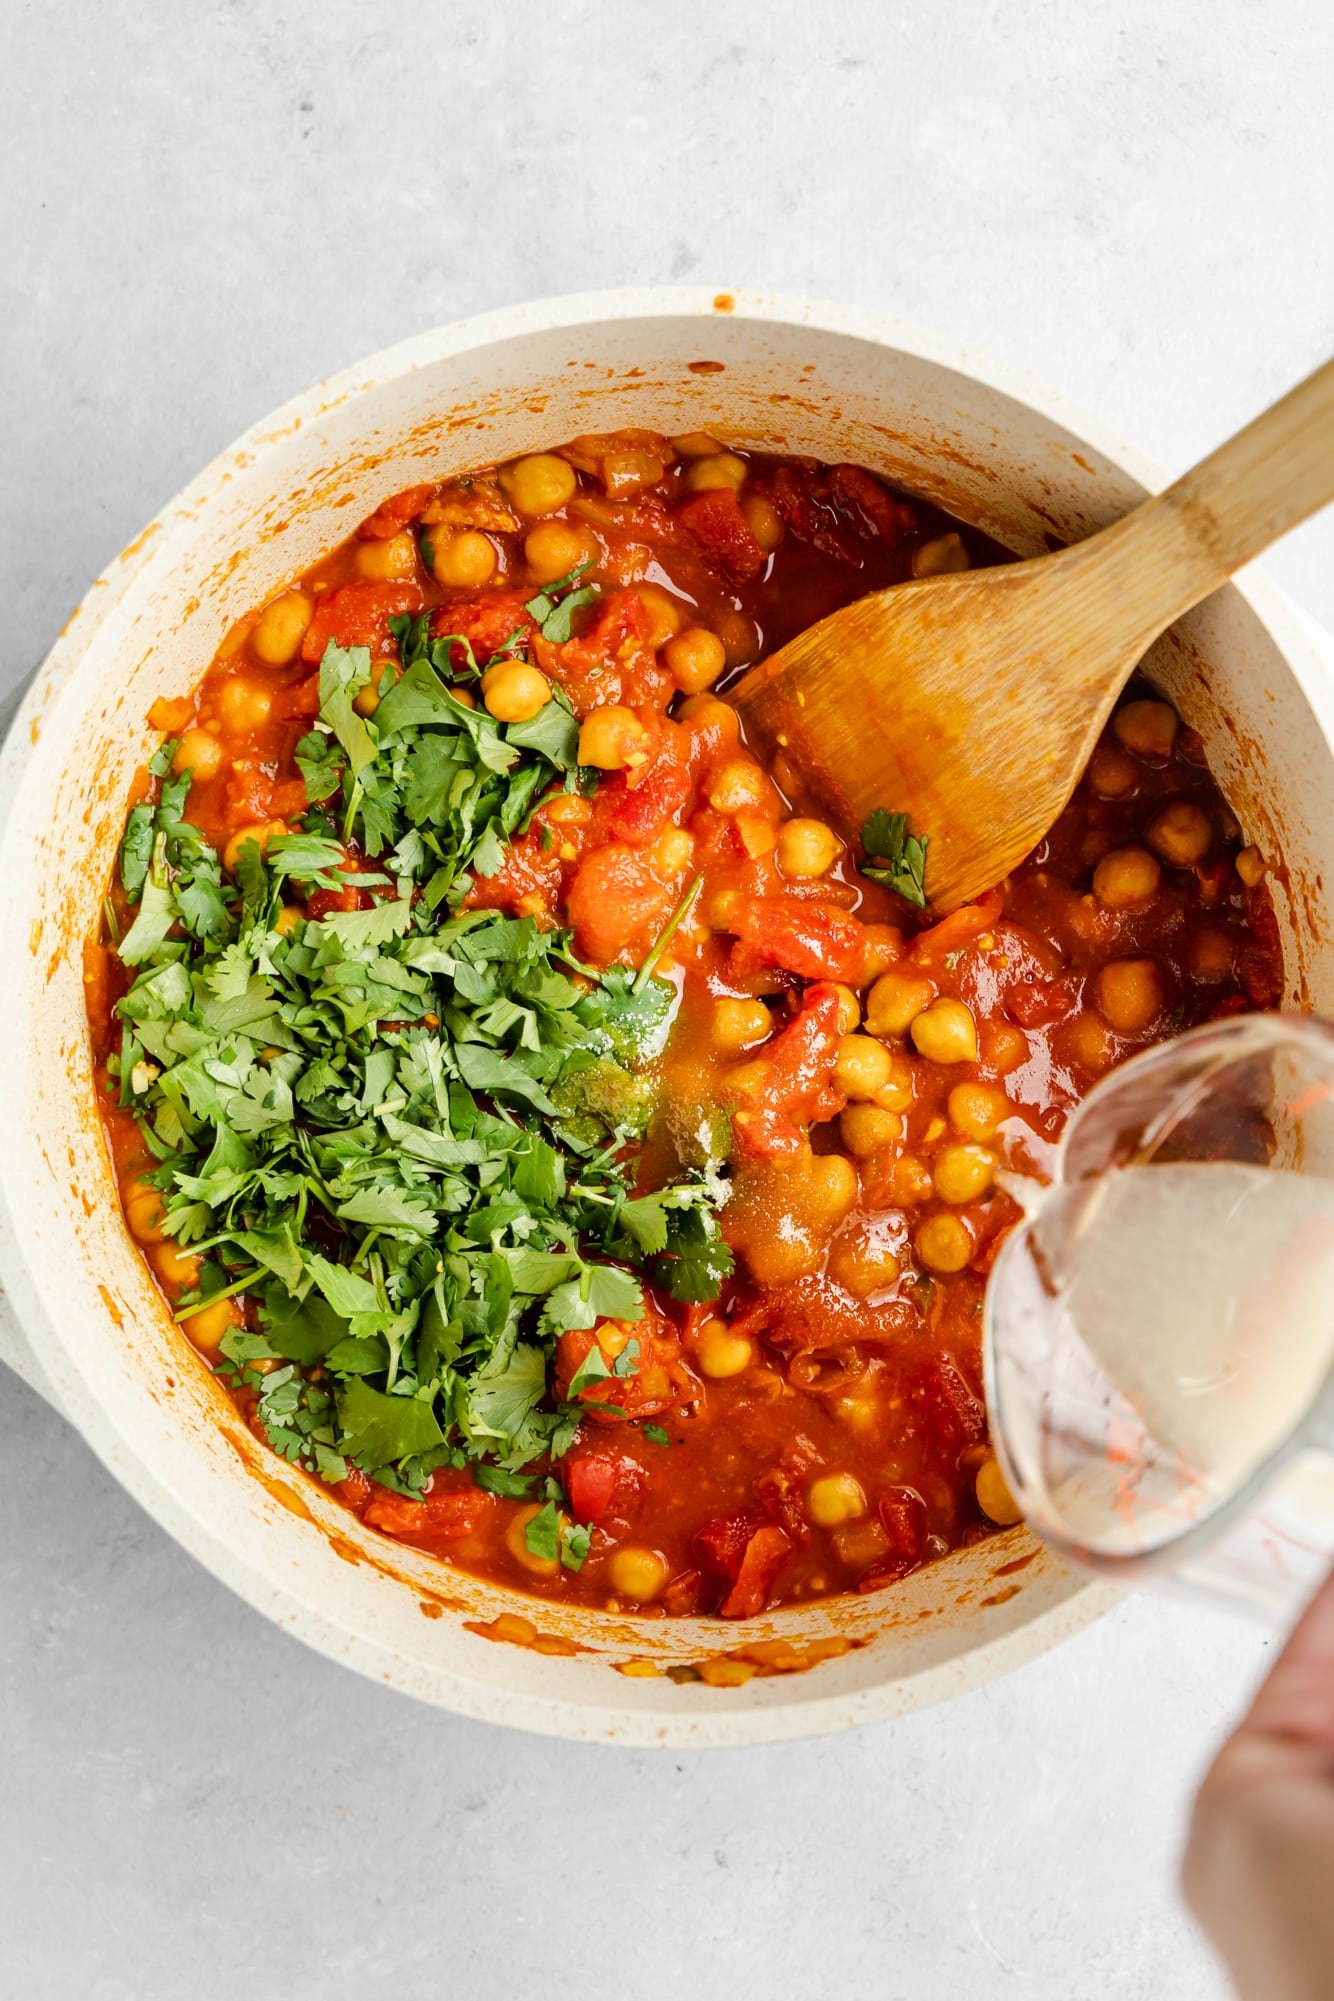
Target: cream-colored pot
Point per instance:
(82, 1311)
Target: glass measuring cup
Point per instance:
(1159, 1331)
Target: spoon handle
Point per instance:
(1181, 545)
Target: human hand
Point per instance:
(1258, 1871)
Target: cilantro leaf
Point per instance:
(895, 857)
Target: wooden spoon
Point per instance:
(972, 702)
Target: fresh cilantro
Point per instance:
(554, 607)
(895, 857)
(405, 1132)
(655, 1434)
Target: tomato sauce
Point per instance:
(820, 1426)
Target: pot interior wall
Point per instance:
(257, 518)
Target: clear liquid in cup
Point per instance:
(1160, 1331)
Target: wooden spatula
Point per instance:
(972, 702)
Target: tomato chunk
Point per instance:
(595, 1481)
(356, 615)
(392, 516)
(714, 522)
(766, 1553)
(617, 906)
(815, 940)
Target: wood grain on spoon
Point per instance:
(973, 701)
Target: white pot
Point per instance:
(775, 374)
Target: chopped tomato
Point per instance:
(961, 926)
(815, 940)
(800, 1089)
(766, 1553)
(392, 516)
(657, 1380)
(440, 1518)
(617, 906)
(855, 490)
(715, 522)
(486, 619)
(954, 1410)
(356, 615)
(594, 1481)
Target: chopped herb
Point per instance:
(554, 607)
(406, 1132)
(895, 857)
(655, 1434)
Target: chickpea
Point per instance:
(206, 1328)
(748, 1080)
(636, 1573)
(261, 835)
(1126, 878)
(554, 549)
(721, 1353)
(1212, 955)
(807, 848)
(737, 1024)
(722, 909)
(243, 705)
(831, 1188)
(179, 1268)
(1111, 773)
(612, 738)
(977, 1109)
(465, 561)
(737, 785)
(367, 700)
(281, 627)
(673, 851)
(540, 483)
(722, 470)
(1130, 994)
(940, 555)
(943, 1243)
(198, 753)
(143, 1211)
(899, 1089)
(389, 560)
(909, 1181)
(884, 947)
(665, 615)
(1181, 833)
(515, 692)
(862, 1066)
(1089, 1042)
(764, 521)
(740, 635)
(710, 719)
(946, 1033)
(1251, 867)
(1149, 729)
(516, 1539)
(849, 1009)
(696, 445)
(1004, 1047)
(866, 1129)
(695, 658)
(288, 918)
(962, 1173)
(994, 1496)
(896, 1000)
(862, 1263)
(835, 1498)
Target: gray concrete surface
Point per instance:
(205, 206)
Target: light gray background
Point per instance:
(205, 207)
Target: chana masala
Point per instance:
(575, 1153)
